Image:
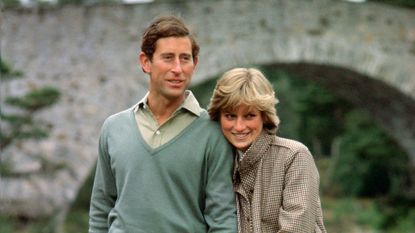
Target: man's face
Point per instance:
(171, 67)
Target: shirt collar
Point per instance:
(190, 103)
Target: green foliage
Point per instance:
(20, 125)
(7, 73)
(371, 164)
(404, 3)
(349, 214)
(5, 170)
(321, 115)
(24, 225)
(5, 224)
(398, 214)
(405, 223)
(77, 221)
(19, 128)
(71, 2)
(36, 99)
(308, 112)
(10, 3)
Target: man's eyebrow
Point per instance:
(166, 53)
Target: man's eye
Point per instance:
(186, 58)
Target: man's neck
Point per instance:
(163, 108)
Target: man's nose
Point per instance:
(177, 66)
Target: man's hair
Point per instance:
(245, 86)
(162, 27)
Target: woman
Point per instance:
(275, 179)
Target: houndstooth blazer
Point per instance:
(277, 188)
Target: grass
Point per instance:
(77, 221)
(347, 215)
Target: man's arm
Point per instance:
(220, 211)
(104, 191)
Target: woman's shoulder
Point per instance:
(291, 145)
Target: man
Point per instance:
(163, 166)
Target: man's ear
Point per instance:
(144, 62)
(195, 60)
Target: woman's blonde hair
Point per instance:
(246, 86)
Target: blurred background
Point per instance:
(343, 72)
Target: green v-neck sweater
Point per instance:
(183, 186)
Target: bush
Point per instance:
(370, 163)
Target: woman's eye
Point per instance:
(229, 116)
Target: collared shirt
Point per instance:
(156, 135)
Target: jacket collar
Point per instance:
(255, 152)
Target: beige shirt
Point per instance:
(277, 188)
(156, 135)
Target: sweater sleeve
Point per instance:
(104, 189)
(300, 195)
(220, 211)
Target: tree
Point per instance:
(20, 125)
(371, 164)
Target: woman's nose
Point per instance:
(239, 124)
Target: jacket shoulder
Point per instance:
(290, 145)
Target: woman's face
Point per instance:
(242, 126)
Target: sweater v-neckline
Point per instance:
(153, 151)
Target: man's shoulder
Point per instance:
(205, 121)
(210, 129)
(115, 118)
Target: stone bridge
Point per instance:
(362, 52)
